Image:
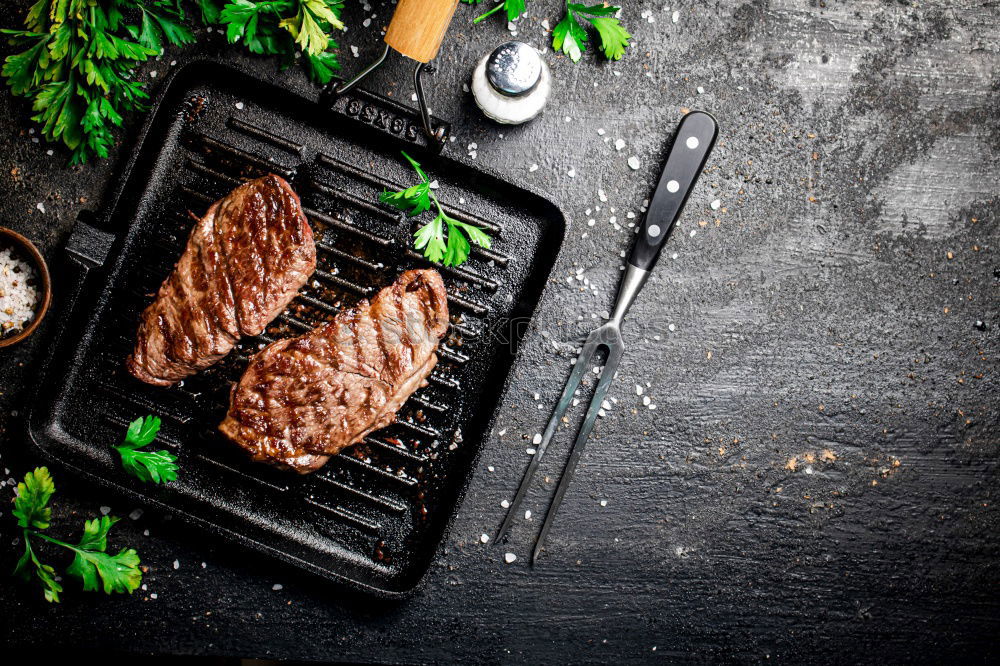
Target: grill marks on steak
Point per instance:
(304, 399)
(244, 261)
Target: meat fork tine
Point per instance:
(575, 377)
(615, 350)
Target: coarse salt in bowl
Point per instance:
(24, 287)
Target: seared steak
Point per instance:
(304, 399)
(244, 261)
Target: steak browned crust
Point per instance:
(244, 261)
(304, 399)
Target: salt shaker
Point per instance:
(512, 84)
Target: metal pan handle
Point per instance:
(692, 145)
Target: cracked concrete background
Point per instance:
(817, 481)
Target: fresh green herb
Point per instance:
(570, 37)
(514, 8)
(76, 59)
(413, 200)
(283, 27)
(148, 466)
(77, 62)
(451, 249)
(91, 562)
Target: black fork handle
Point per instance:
(694, 141)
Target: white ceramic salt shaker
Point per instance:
(512, 84)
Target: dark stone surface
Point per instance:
(819, 479)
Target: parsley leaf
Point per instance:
(614, 38)
(451, 250)
(148, 466)
(210, 11)
(570, 37)
(413, 200)
(430, 239)
(119, 573)
(31, 504)
(91, 562)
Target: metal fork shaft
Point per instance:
(601, 392)
(586, 354)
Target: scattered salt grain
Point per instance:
(571, 173)
(505, 504)
(604, 502)
(619, 144)
(502, 432)
(530, 451)
(638, 390)
(153, 595)
(533, 167)
(701, 91)
(239, 105)
(136, 514)
(277, 586)
(484, 538)
(715, 204)
(527, 514)
(600, 131)
(675, 17)
(40, 206)
(633, 163)
(177, 564)
(490, 468)
(537, 439)
(204, 565)
(509, 558)
(105, 510)
(646, 400)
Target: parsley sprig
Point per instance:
(148, 466)
(284, 27)
(514, 8)
(452, 248)
(76, 59)
(92, 564)
(77, 65)
(570, 37)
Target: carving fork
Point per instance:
(692, 144)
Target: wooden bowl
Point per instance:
(27, 250)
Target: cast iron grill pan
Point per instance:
(375, 514)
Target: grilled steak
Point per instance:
(304, 399)
(244, 261)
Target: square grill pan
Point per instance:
(374, 516)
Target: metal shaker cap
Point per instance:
(514, 69)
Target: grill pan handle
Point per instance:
(86, 250)
(417, 27)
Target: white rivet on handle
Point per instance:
(673, 186)
(653, 230)
(692, 142)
